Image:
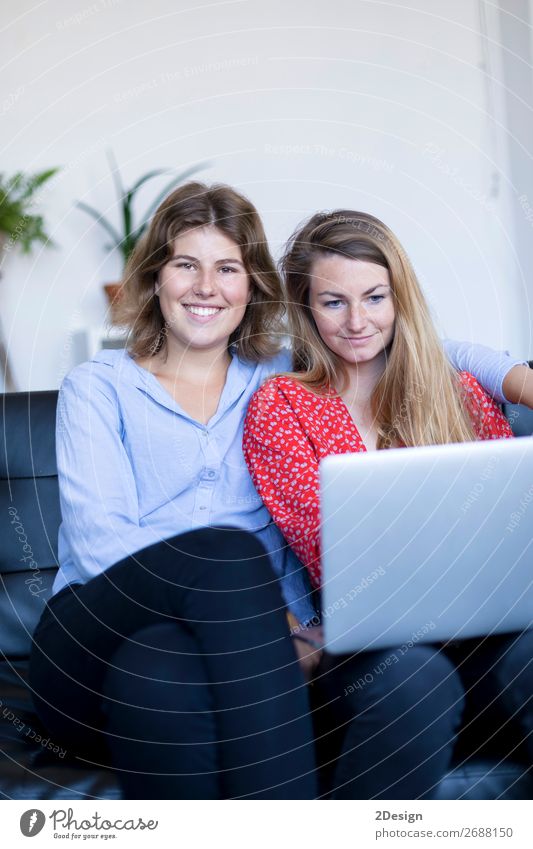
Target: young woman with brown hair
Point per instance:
(164, 651)
(370, 373)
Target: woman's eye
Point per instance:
(186, 265)
(228, 268)
(333, 304)
(376, 299)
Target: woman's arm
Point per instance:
(284, 469)
(490, 368)
(518, 386)
(97, 489)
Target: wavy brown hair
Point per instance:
(198, 205)
(418, 400)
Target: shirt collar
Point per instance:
(128, 372)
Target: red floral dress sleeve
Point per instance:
(487, 418)
(284, 468)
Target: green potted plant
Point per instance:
(125, 237)
(20, 228)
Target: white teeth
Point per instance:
(202, 310)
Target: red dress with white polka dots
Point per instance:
(289, 429)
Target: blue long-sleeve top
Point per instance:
(135, 469)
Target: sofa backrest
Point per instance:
(521, 419)
(29, 515)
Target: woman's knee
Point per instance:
(430, 665)
(219, 558)
(418, 679)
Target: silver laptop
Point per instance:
(427, 544)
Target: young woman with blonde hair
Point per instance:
(369, 372)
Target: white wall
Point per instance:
(516, 35)
(385, 107)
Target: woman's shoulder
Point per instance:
(265, 369)
(280, 401)
(282, 386)
(101, 374)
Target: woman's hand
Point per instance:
(518, 386)
(307, 643)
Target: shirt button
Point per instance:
(203, 507)
(211, 473)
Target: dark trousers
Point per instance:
(175, 667)
(386, 721)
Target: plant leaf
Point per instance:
(35, 182)
(13, 186)
(174, 182)
(127, 214)
(101, 220)
(142, 180)
(38, 179)
(115, 173)
(17, 221)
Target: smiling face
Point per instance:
(352, 304)
(203, 290)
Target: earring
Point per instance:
(158, 342)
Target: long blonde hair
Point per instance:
(418, 400)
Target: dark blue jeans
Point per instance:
(386, 721)
(175, 668)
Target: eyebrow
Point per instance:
(195, 259)
(343, 294)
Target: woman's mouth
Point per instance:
(202, 313)
(197, 310)
(358, 340)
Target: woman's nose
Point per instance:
(357, 318)
(204, 283)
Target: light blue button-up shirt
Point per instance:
(135, 469)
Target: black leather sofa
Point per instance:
(29, 519)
